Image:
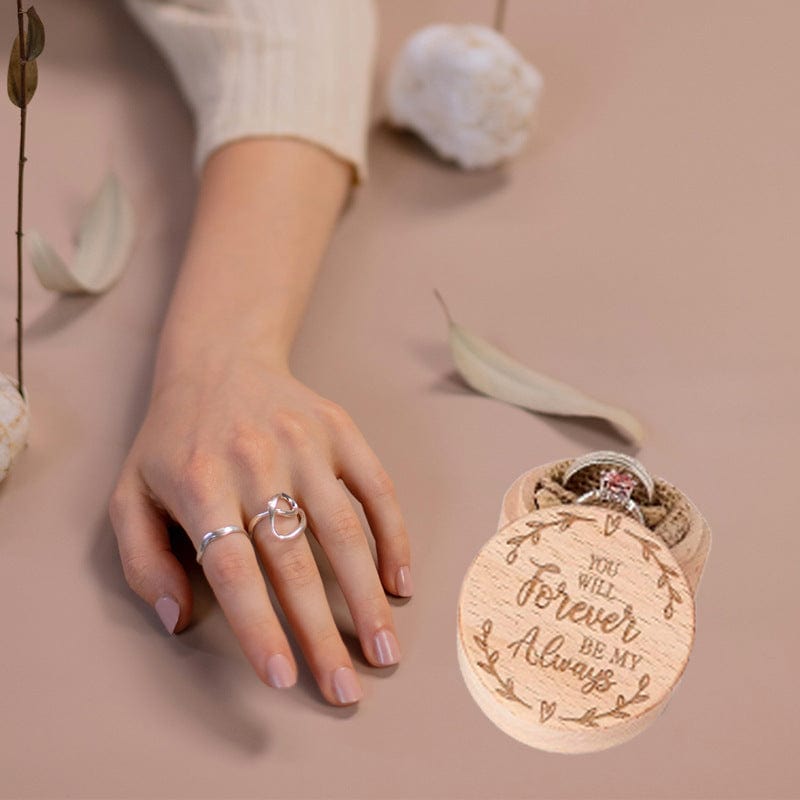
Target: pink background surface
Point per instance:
(645, 247)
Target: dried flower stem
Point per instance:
(500, 15)
(23, 53)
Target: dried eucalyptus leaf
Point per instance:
(15, 77)
(52, 271)
(491, 371)
(105, 242)
(35, 34)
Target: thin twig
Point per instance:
(23, 55)
(500, 15)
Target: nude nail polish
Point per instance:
(168, 611)
(346, 686)
(387, 648)
(405, 586)
(279, 671)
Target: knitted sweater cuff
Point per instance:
(296, 68)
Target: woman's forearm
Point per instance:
(265, 211)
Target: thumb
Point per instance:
(151, 568)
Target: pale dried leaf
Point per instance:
(491, 371)
(105, 241)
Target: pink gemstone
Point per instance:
(618, 482)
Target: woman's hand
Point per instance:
(219, 438)
(228, 426)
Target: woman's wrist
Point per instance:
(193, 353)
(265, 211)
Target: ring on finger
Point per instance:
(212, 536)
(272, 510)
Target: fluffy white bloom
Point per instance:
(14, 423)
(466, 91)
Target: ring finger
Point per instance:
(294, 574)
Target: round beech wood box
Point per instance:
(575, 621)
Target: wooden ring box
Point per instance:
(575, 621)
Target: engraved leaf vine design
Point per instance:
(506, 684)
(591, 716)
(650, 553)
(564, 521)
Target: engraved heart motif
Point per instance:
(613, 522)
(546, 710)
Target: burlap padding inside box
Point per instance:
(667, 515)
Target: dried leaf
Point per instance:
(491, 371)
(105, 241)
(15, 77)
(35, 34)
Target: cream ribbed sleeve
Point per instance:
(299, 68)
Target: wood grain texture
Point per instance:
(574, 625)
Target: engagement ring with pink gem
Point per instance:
(617, 482)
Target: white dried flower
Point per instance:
(466, 91)
(14, 423)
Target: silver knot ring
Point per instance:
(212, 536)
(273, 510)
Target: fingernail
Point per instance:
(387, 648)
(346, 686)
(279, 671)
(405, 586)
(168, 611)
